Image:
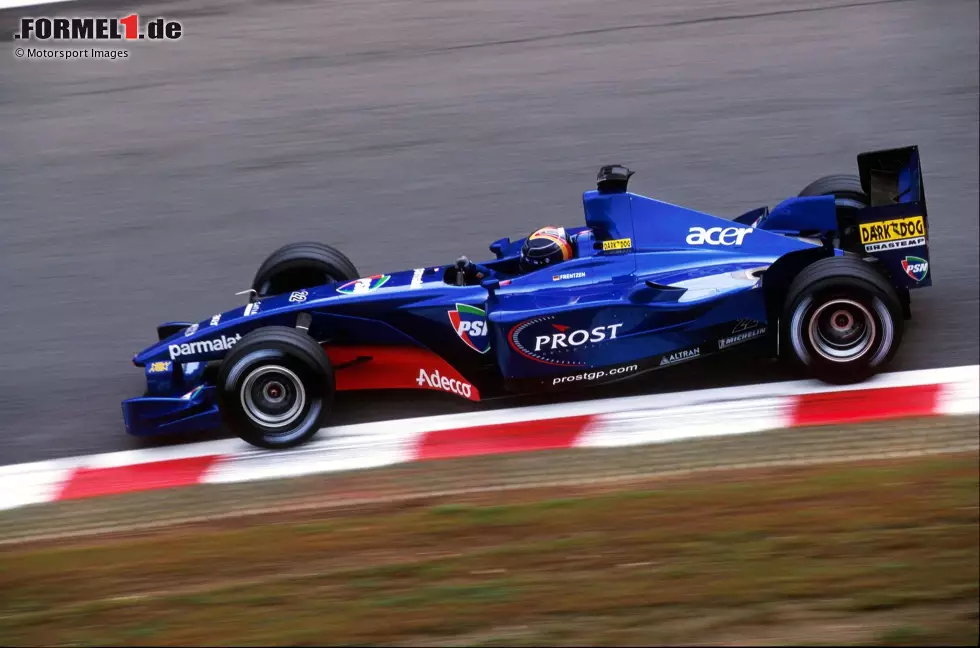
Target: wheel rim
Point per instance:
(273, 396)
(842, 330)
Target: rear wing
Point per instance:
(895, 228)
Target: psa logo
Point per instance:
(915, 267)
(365, 285)
(717, 235)
(470, 324)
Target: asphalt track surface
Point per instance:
(407, 133)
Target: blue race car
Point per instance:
(822, 280)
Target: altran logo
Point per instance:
(915, 267)
(680, 356)
(222, 343)
(470, 324)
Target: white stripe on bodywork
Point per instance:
(711, 285)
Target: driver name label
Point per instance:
(617, 244)
(891, 234)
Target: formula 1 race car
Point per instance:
(822, 280)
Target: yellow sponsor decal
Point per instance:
(159, 367)
(618, 244)
(893, 230)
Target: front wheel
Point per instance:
(842, 321)
(301, 265)
(276, 387)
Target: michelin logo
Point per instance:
(222, 343)
(741, 337)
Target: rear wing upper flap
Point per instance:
(892, 176)
(895, 228)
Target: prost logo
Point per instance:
(542, 340)
(470, 324)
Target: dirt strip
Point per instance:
(436, 479)
(876, 552)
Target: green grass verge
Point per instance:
(883, 553)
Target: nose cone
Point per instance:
(151, 353)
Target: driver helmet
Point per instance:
(546, 246)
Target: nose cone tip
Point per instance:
(147, 354)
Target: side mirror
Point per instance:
(497, 247)
(490, 285)
(613, 178)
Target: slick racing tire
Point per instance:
(301, 265)
(849, 198)
(276, 387)
(841, 322)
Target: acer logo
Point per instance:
(565, 339)
(727, 236)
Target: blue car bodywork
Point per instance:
(651, 285)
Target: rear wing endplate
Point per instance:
(895, 228)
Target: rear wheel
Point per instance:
(842, 321)
(301, 265)
(276, 387)
(849, 198)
